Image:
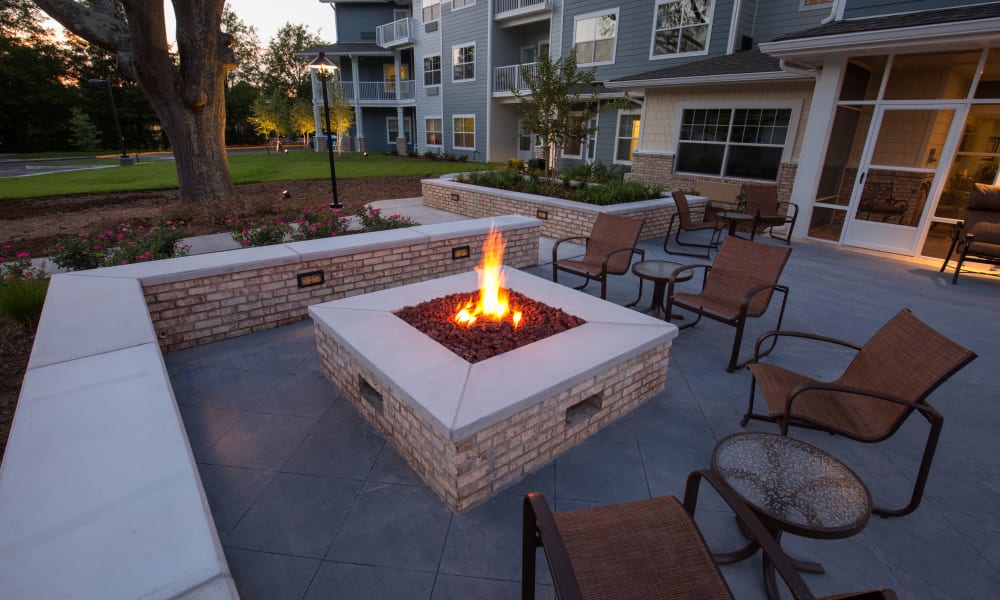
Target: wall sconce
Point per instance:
(310, 278)
(460, 252)
(932, 156)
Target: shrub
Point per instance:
(121, 245)
(264, 231)
(319, 222)
(22, 289)
(372, 220)
(516, 164)
(612, 192)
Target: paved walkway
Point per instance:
(310, 502)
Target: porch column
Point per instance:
(360, 143)
(401, 148)
(317, 112)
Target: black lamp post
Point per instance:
(114, 113)
(322, 64)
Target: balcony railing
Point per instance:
(505, 77)
(372, 91)
(394, 34)
(509, 8)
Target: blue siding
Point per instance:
(459, 27)
(357, 22)
(779, 17)
(870, 8)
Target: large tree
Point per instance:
(187, 93)
(282, 70)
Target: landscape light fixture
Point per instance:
(114, 113)
(323, 66)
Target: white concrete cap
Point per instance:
(100, 496)
(354, 244)
(89, 315)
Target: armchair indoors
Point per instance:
(682, 220)
(761, 201)
(610, 247)
(736, 287)
(649, 549)
(977, 238)
(889, 378)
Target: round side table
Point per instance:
(659, 272)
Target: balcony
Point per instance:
(394, 34)
(512, 75)
(372, 92)
(508, 13)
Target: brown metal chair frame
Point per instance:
(963, 240)
(755, 198)
(739, 322)
(786, 419)
(541, 530)
(603, 275)
(887, 207)
(682, 218)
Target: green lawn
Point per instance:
(246, 168)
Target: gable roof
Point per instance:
(748, 65)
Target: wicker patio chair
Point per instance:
(889, 378)
(650, 549)
(682, 220)
(761, 201)
(977, 238)
(736, 287)
(610, 247)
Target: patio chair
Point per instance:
(736, 287)
(610, 247)
(880, 200)
(682, 219)
(977, 238)
(649, 549)
(761, 201)
(889, 378)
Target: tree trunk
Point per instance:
(197, 138)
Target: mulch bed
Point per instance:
(486, 338)
(15, 347)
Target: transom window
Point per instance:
(432, 125)
(594, 37)
(392, 129)
(681, 26)
(463, 60)
(733, 142)
(431, 10)
(432, 70)
(628, 136)
(464, 132)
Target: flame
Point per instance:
(493, 302)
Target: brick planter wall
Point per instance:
(564, 218)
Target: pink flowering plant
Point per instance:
(319, 222)
(263, 231)
(121, 245)
(22, 287)
(373, 220)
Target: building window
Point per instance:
(389, 77)
(463, 60)
(464, 134)
(456, 4)
(432, 125)
(392, 129)
(432, 70)
(594, 37)
(431, 10)
(627, 138)
(741, 142)
(681, 27)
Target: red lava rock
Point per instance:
(486, 338)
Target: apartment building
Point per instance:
(874, 116)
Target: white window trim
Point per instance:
(406, 129)
(470, 4)
(790, 137)
(475, 57)
(464, 116)
(427, 3)
(424, 71)
(618, 124)
(441, 131)
(590, 15)
(652, 36)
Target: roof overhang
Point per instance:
(641, 84)
(960, 35)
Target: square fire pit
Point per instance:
(470, 429)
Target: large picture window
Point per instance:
(463, 60)
(681, 27)
(627, 139)
(464, 132)
(432, 70)
(594, 37)
(432, 125)
(431, 10)
(733, 142)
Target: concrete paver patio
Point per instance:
(310, 502)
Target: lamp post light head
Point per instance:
(322, 64)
